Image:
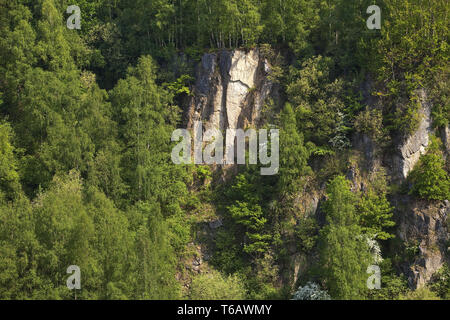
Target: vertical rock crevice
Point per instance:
(415, 145)
(230, 90)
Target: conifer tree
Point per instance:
(344, 255)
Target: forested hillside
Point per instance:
(87, 179)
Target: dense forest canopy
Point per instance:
(86, 176)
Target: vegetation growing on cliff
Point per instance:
(86, 176)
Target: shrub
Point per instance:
(441, 282)
(214, 286)
(430, 179)
(307, 234)
(420, 294)
(370, 122)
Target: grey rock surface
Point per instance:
(415, 145)
(424, 224)
(230, 90)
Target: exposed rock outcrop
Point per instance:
(230, 90)
(415, 145)
(423, 227)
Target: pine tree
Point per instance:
(147, 121)
(344, 255)
(9, 177)
(293, 157)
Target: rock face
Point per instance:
(423, 226)
(414, 146)
(446, 138)
(230, 90)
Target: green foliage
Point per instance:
(307, 234)
(420, 294)
(228, 253)
(86, 176)
(65, 231)
(204, 173)
(318, 101)
(154, 259)
(19, 251)
(120, 255)
(370, 122)
(293, 155)
(147, 121)
(290, 22)
(247, 213)
(180, 86)
(9, 177)
(244, 244)
(393, 286)
(376, 215)
(61, 121)
(412, 53)
(415, 37)
(214, 286)
(441, 282)
(344, 255)
(262, 276)
(429, 178)
(441, 98)
(342, 28)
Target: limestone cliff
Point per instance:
(230, 90)
(421, 224)
(410, 149)
(423, 227)
(232, 87)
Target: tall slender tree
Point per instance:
(344, 254)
